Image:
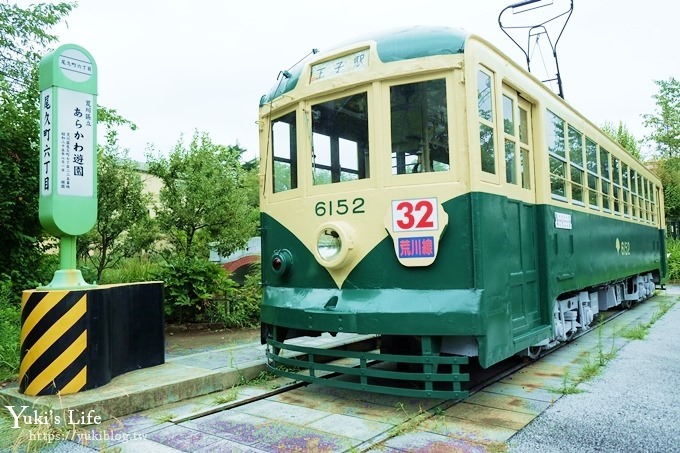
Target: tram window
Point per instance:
(525, 169)
(591, 165)
(508, 115)
(555, 136)
(575, 147)
(340, 140)
(284, 155)
(510, 139)
(636, 190)
(576, 160)
(650, 204)
(523, 126)
(626, 190)
(510, 165)
(419, 127)
(591, 155)
(605, 196)
(486, 123)
(616, 171)
(644, 205)
(557, 176)
(592, 190)
(606, 181)
(487, 149)
(616, 178)
(556, 149)
(634, 211)
(524, 163)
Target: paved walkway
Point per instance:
(633, 406)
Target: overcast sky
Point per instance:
(174, 66)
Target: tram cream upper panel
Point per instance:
(523, 174)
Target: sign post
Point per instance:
(68, 154)
(76, 336)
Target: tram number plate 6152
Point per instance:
(340, 207)
(415, 215)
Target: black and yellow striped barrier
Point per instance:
(53, 342)
(74, 340)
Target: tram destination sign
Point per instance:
(345, 64)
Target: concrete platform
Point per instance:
(183, 376)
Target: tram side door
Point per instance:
(523, 288)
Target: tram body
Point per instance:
(421, 186)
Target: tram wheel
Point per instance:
(534, 352)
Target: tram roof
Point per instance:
(393, 45)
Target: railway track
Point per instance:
(282, 390)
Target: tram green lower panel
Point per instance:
(390, 311)
(500, 267)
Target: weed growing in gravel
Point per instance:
(412, 420)
(664, 306)
(604, 357)
(592, 366)
(640, 330)
(591, 369)
(227, 397)
(568, 386)
(636, 332)
(496, 447)
(163, 418)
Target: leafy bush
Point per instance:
(10, 328)
(131, 270)
(673, 248)
(242, 308)
(191, 286)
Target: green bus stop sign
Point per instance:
(68, 176)
(68, 147)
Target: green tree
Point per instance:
(668, 171)
(24, 38)
(124, 226)
(665, 140)
(204, 198)
(624, 137)
(252, 188)
(665, 122)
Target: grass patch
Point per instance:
(569, 386)
(636, 332)
(592, 366)
(165, 417)
(232, 394)
(227, 397)
(640, 330)
(10, 329)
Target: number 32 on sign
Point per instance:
(415, 215)
(416, 226)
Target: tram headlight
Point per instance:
(333, 244)
(328, 244)
(281, 261)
